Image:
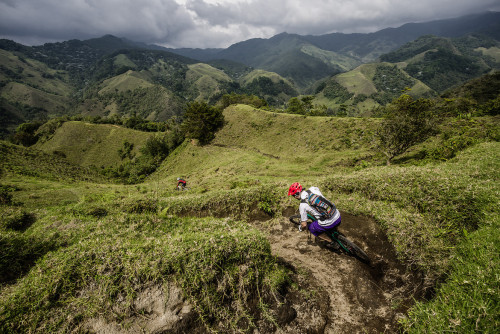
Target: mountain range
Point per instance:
(306, 58)
(114, 76)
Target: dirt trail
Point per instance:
(336, 293)
(356, 298)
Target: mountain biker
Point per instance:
(319, 228)
(181, 183)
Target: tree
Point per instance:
(295, 106)
(407, 123)
(26, 134)
(201, 121)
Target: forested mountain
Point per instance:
(346, 73)
(305, 59)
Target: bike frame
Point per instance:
(333, 235)
(346, 245)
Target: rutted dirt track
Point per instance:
(348, 295)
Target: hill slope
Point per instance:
(87, 144)
(102, 256)
(368, 86)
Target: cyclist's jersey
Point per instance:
(305, 208)
(181, 182)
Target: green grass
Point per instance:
(205, 80)
(330, 57)
(88, 144)
(255, 74)
(493, 52)
(31, 83)
(90, 247)
(426, 210)
(91, 266)
(30, 162)
(469, 300)
(129, 80)
(202, 70)
(360, 80)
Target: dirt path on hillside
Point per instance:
(360, 298)
(336, 293)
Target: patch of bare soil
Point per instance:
(354, 297)
(155, 311)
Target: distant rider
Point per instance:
(320, 229)
(181, 183)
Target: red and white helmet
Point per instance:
(294, 188)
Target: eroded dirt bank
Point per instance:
(354, 297)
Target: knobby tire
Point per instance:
(353, 249)
(295, 219)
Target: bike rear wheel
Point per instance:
(353, 249)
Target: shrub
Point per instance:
(202, 121)
(407, 122)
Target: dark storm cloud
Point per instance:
(214, 23)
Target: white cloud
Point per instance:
(214, 23)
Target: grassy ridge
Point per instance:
(90, 144)
(129, 80)
(29, 162)
(103, 243)
(426, 210)
(435, 213)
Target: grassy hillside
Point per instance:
(30, 162)
(270, 86)
(205, 80)
(89, 248)
(442, 217)
(31, 90)
(368, 86)
(88, 144)
(343, 62)
(258, 146)
(33, 73)
(442, 63)
(127, 81)
(92, 250)
(255, 74)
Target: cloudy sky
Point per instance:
(215, 23)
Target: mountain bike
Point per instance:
(346, 245)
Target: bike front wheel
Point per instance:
(295, 219)
(354, 249)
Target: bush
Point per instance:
(407, 123)
(201, 121)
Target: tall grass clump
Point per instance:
(20, 252)
(469, 300)
(223, 267)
